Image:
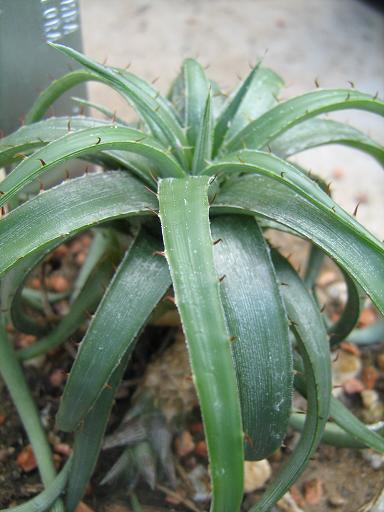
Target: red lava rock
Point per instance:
(201, 449)
(26, 459)
(184, 444)
(197, 428)
(313, 491)
(35, 283)
(369, 376)
(297, 496)
(3, 419)
(57, 377)
(57, 283)
(60, 252)
(63, 449)
(26, 340)
(352, 386)
(380, 361)
(367, 317)
(350, 348)
(82, 507)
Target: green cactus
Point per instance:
(192, 194)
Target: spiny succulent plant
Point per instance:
(196, 188)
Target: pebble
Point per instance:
(288, 504)
(256, 474)
(373, 408)
(184, 444)
(376, 460)
(26, 459)
(313, 491)
(353, 386)
(369, 376)
(336, 500)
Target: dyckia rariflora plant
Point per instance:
(196, 188)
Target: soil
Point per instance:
(336, 479)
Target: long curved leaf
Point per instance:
(256, 317)
(196, 88)
(139, 283)
(73, 206)
(188, 246)
(361, 256)
(89, 439)
(154, 109)
(317, 132)
(307, 325)
(203, 142)
(255, 95)
(82, 142)
(276, 121)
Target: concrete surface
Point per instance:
(334, 41)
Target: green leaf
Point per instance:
(372, 334)
(333, 434)
(352, 247)
(308, 327)
(55, 90)
(317, 132)
(154, 109)
(262, 131)
(203, 149)
(196, 88)
(76, 144)
(256, 318)
(255, 95)
(62, 211)
(139, 283)
(113, 118)
(189, 251)
(350, 315)
(89, 439)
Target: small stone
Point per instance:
(57, 377)
(63, 449)
(376, 460)
(313, 491)
(184, 444)
(336, 500)
(201, 449)
(35, 283)
(256, 474)
(353, 386)
(350, 347)
(26, 459)
(369, 376)
(297, 496)
(57, 283)
(380, 361)
(370, 398)
(367, 317)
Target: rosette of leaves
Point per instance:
(198, 184)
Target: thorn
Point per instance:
(155, 80)
(2, 213)
(337, 386)
(105, 60)
(221, 279)
(283, 284)
(155, 179)
(376, 95)
(69, 125)
(42, 162)
(128, 65)
(213, 199)
(21, 155)
(239, 77)
(108, 386)
(86, 171)
(152, 210)
(66, 175)
(21, 120)
(282, 174)
(217, 241)
(41, 186)
(292, 322)
(348, 96)
(88, 314)
(269, 148)
(317, 83)
(157, 108)
(139, 140)
(151, 191)
(337, 356)
(212, 179)
(113, 118)
(170, 299)
(356, 208)
(240, 160)
(248, 439)
(333, 209)
(351, 83)
(322, 309)
(232, 339)
(158, 253)
(98, 140)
